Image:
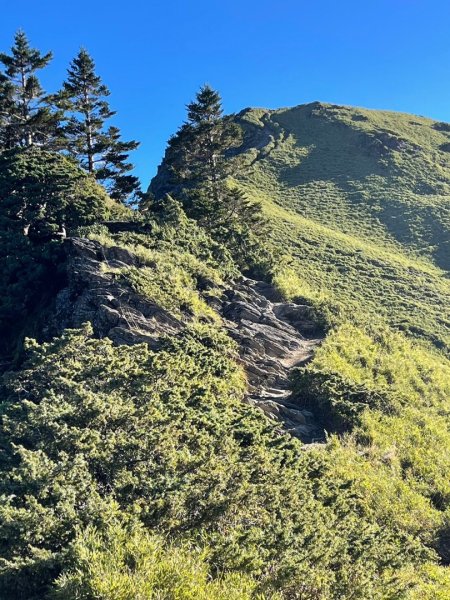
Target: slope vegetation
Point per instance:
(136, 461)
(359, 213)
(360, 200)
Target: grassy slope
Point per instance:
(359, 517)
(360, 199)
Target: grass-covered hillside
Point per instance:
(359, 213)
(358, 209)
(360, 200)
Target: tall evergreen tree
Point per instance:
(199, 162)
(196, 156)
(99, 150)
(26, 116)
(115, 166)
(6, 109)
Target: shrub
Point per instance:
(128, 563)
(41, 192)
(167, 437)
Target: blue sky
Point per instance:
(154, 55)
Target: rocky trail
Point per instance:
(273, 336)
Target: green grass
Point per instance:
(359, 205)
(160, 570)
(211, 500)
(360, 200)
(394, 393)
(167, 276)
(377, 173)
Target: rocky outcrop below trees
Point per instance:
(94, 293)
(273, 336)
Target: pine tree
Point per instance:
(83, 95)
(196, 155)
(26, 115)
(99, 150)
(115, 166)
(6, 112)
(199, 162)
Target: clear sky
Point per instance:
(154, 55)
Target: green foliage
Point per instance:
(99, 150)
(431, 582)
(196, 169)
(195, 165)
(169, 286)
(87, 441)
(129, 473)
(375, 174)
(42, 195)
(167, 436)
(393, 394)
(43, 190)
(385, 360)
(241, 227)
(175, 245)
(358, 199)
(30, 275)
(26, 117)
(128, 563)
(324, 311)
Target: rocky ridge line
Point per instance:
(273, 337)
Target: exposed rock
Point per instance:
(383, 141)
(94, 294)
(274, 337)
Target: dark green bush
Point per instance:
(41, 192)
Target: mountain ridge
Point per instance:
(359, 199)
(288, 430)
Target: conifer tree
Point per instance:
(115, 166)
(100, 151)
(26, 116)
(196, 156)
(6, 111)
(199, 164)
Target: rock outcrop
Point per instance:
(94, 294)
(273, 336)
